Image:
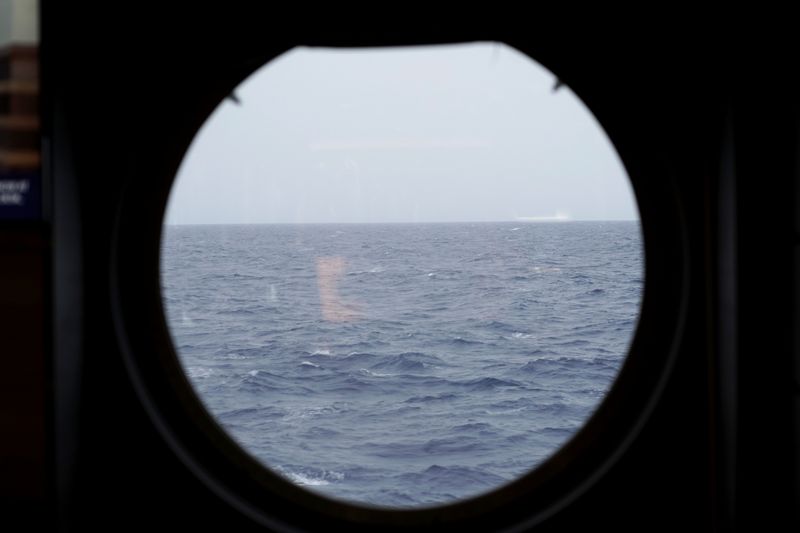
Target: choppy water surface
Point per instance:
(402, 364)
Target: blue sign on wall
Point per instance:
(20, 195)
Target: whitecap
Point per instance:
(367, 372)
(544, 270)
(199, 372)
(503, 411)
(310, 412)
(314, 480)
(309, 363)
(321, 352)
(375, 270)
(186, 320)
(235, 356)
(304, 480)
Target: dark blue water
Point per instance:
(402, 364)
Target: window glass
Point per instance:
(20, 154)
(402, 277)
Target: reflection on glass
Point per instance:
(20, 155)
(402, 277)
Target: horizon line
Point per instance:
(531, 220)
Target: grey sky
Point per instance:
(465, 132)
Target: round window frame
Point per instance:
(244, 482)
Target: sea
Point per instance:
(402, 365)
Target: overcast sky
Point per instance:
(467, 132)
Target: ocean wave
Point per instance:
(568, 367)
(431, 447)
(475, 428)
(319, 432)
(357, 357)
(444, 397)
(351, 384)
(233, 356)
(450, 477)
(545, 270)
(466, 342)
(409, 362)
(502, 327)
(446, 275)
(486, 256)
(262, 381)
(323, 411)
(573, 342)
(199, 372)
(588, 330)
(376, 270)
(496, 412)
(370, 373)
(310, 478)
(560, 432)
(251, 413)
(489, 383)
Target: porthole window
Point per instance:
(401, 277)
